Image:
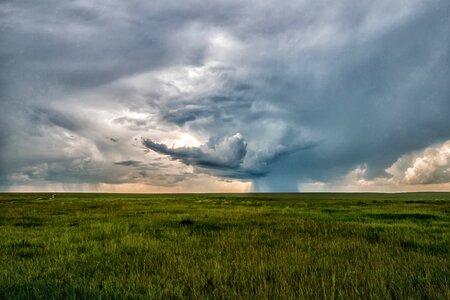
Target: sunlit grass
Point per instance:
(260, 246)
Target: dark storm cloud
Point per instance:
(228, 157)
(317, 88)
(225, 154)
(127, 163)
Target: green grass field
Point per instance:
(232, 246)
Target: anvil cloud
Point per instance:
(173, 96)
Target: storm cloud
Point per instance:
(225, 154)
(154, 93)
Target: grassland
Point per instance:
(233, 246)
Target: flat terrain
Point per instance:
(259, 246)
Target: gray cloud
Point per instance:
(132, 124)
(51, 117)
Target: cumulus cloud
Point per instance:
(426, 169)
(430, 166)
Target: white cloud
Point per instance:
(429, 166)
(424, 170)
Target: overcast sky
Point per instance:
(212, 96)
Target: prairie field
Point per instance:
(225, 246)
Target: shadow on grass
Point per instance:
(29, 222)
(412, 217)
(24, 249)
(430, 249)
(54, 291)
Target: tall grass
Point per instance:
(264, 246)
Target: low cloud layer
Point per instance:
(321, 93)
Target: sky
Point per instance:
(225, 96)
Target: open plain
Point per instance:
(233, 246)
